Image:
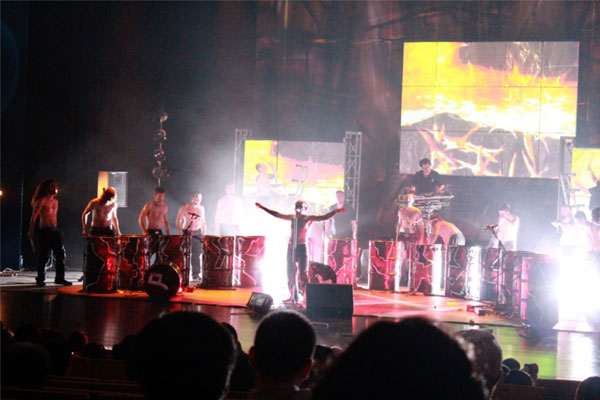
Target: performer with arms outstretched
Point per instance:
(300, 223)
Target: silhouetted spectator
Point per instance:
(324, 355)
(56, 345)
(518, 377)
(588, 389)
(242, 377)
(487, 357)
(76, 341)
(124, 349)
(184, 355)
(28, 333)
(282, 355)
(512, 364)
(532, 370)
(93, 351)
(25, 365)
(412, 358)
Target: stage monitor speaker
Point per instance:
(260, 302)
(329, 301)
(116, 179)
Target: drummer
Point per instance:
(104, 215)
(410, 225)
(153, 217)
(190, 220)
(343, 225)
(444, 232)
(427, 180)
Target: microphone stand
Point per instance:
(501, 270)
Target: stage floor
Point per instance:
(107, 318)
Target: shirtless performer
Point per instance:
(45, 206)
(444, 232)
(508, 228)
(104, 214)
(302, 223)
(190, 219)
(153, 217)
(410, 222)
(229, 209)
(263, 182)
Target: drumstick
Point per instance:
(32, 244)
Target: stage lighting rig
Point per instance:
(159, 172)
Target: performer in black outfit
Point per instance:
(342, 226)
(427, 180)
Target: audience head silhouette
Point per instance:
(411, 357)
(183, 355)
(283, 348)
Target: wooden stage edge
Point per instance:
(367, 303)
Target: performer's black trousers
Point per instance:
(196, 252)
(50, 239)
(301, 258)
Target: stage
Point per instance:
(107, 318)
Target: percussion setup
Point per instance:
(124, 263)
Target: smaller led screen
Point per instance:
(277, 173)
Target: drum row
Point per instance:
(470, 272)
(124, 263)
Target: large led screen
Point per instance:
(311, 171)
(488, 108)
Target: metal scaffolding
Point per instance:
(241, 135)
(565, 192)
(353, 144)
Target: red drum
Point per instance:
(428, 272)
(386, 262)
(217, 265)
(341, 256)
(458, 261)
(134, 260)
(249, 252)
(100, 266)
(481, 269)
(174, 249)
(163, 281)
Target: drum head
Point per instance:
(162, 281)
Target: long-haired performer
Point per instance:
(104, 215)
(45, 205)
(300, 223)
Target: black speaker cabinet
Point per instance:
(329, 301)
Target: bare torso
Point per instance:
(102, 214)
(48, 211)
(409, 219)
(155, 214)
(185, 219)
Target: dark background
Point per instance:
(82, 84)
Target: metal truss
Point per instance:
(241, 135)
(353, 144)
(565, 192)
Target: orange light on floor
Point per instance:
(452, 303)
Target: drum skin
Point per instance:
(172, 249)
(163, 281)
